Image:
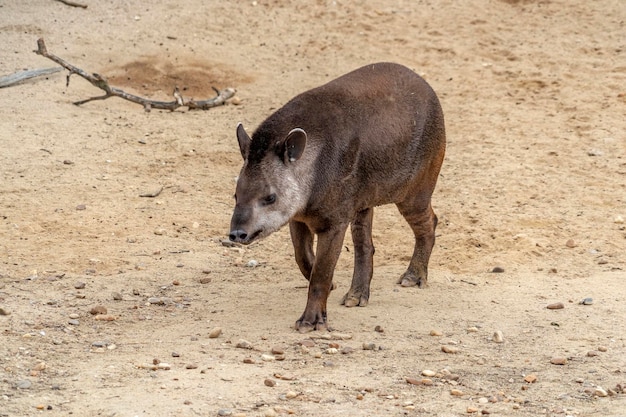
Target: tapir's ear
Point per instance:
(244, 141)
(294, 145)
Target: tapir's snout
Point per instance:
(238, 235)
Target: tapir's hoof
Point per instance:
(305, 326)
(353, 299)
(408, 279)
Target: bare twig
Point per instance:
(98, 81)
(18, 77)
(73, 4)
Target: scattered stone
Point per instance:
(618, 219)
(600, 392)
(268, 358)
(291, 394)
(99, 344)
(73, 322)
(449, 349)
(249, 361)
(252, 263)
(215, 333)
(570, 243)
(159, 231)
(191, 366)
(483, 400)
(379, 329)
(74, 316)
(498, 337)
(278, 350)
(269, 382)
(436, 333)
(472, 410)
(307, 343)
(347, 350)
(558, 361)
(98, 310)
(244, 344)
(117, 296)
(4, 311)
(428, 373)
(472, 329)
(205, 280)
(593, 353)
(602, 348)
(175, 355)
(531, 379)
(331, 351)
(39, 366)
(105, 317)
(413, 381)
(79, 285)
(369, 346)
(23, 384)
(497, 270)
(224, 412)
(155, 300)
(586, 301)
(555, 306)
(456, 392)
(81, 207)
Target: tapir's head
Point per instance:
(269, 189)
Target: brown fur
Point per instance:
(371, 137)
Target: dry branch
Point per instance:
(18, 77)
(98, 81)
(73, 4)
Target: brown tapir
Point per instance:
(322, 162)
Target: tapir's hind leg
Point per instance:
(423, 221)
(359, 292)
(302, 238)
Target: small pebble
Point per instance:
(117, 296)
(369, 346)
(602, 348)
(600, 392)
(24, 384)
(98, 310)
(472, 329)
(586, 301)
(593, 353)
(81, 207)
(498, 337)
(497, 270)
(531, 379)
(483, 400)
(555, 306)
(215, 333)
(436, 333)
(252, 263)
(268, 358)
(307, 343)
(331, 351)
(191, 366)
(249, 361)
(79, 285)
(558, 361)
(244, 344)
(224, 412)
(379, 329)
(269, 382)
(175, 355)
(449, 349)
(428, 373)
(73, 322)
(472, 410)
(618, 219)
(4, 311)
(570, 243)
(205, 280)
(159, 231)
(291, 394)
(456, 392)
(278, 351)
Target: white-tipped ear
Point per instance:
(244, 141)
(294, 145)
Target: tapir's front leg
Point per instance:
(329, 245)
(302, 239)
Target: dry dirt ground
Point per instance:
(534, 182)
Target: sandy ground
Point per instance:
(534, 182)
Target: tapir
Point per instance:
(330, 155)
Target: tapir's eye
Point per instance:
(270, 199)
